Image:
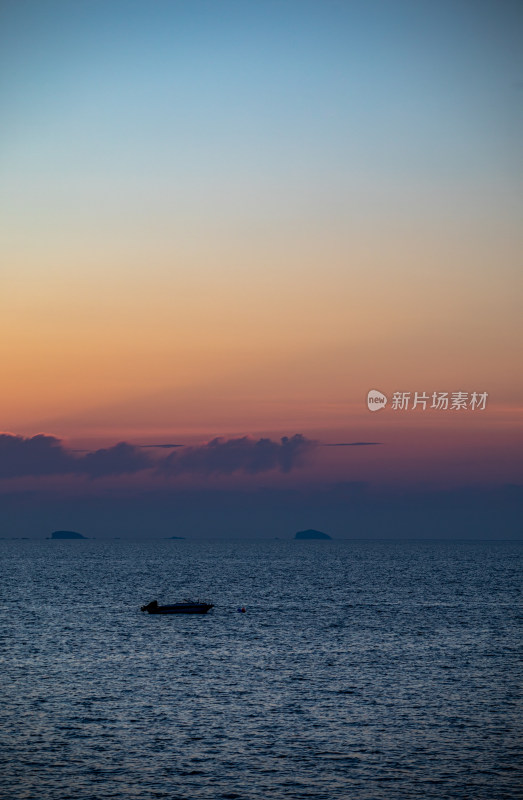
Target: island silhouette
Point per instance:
(310, 533)
(67, 535)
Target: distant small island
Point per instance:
(67, 535)
(312, 534)
(175, 537)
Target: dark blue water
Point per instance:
(360, 670)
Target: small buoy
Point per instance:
(242, 610)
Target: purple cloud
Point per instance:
(38, 455)
(45, 455)
(226, 456)
(349, 444)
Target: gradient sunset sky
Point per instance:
(229, 219)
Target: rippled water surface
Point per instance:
(360, 670)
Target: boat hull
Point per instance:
(178, 608)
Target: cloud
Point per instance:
(165, 446)
(122, 459)
(239, 455)
(45, 455)
(349, 444)
(38, 455)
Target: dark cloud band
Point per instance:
(239, 455)
(45, 455)
(348, 444)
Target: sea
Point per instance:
(381, 670)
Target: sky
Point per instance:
(223, 223)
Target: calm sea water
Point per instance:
(360, 670)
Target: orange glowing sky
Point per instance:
(234, 232)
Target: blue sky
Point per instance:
(266, 94)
